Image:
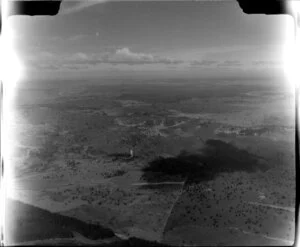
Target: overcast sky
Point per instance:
(210, 38)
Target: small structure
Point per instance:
(131, 153)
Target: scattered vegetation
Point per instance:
(114, 173)
(72, 165)
(214, 195)
(132, 140)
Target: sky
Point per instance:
(201, 38)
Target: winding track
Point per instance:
(290, 209)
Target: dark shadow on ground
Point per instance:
(136, 242)
(216, 157)
(25, 222)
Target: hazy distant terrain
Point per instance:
(211, 158)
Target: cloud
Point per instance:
(56, 66)
(266, 63)
(209, 63)
(69, 7)
(230, 63)
(76, 37)
(125, 56)
(40, 56)
(79, 56)
(203, 63)
(80, 60)
(45, 67)
(74, 67)
(121, 56)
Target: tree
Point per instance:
(133, 139)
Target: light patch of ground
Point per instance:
(182, 133)
(190, 115)
(122, 123)
(132, 103)
(158, 129)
